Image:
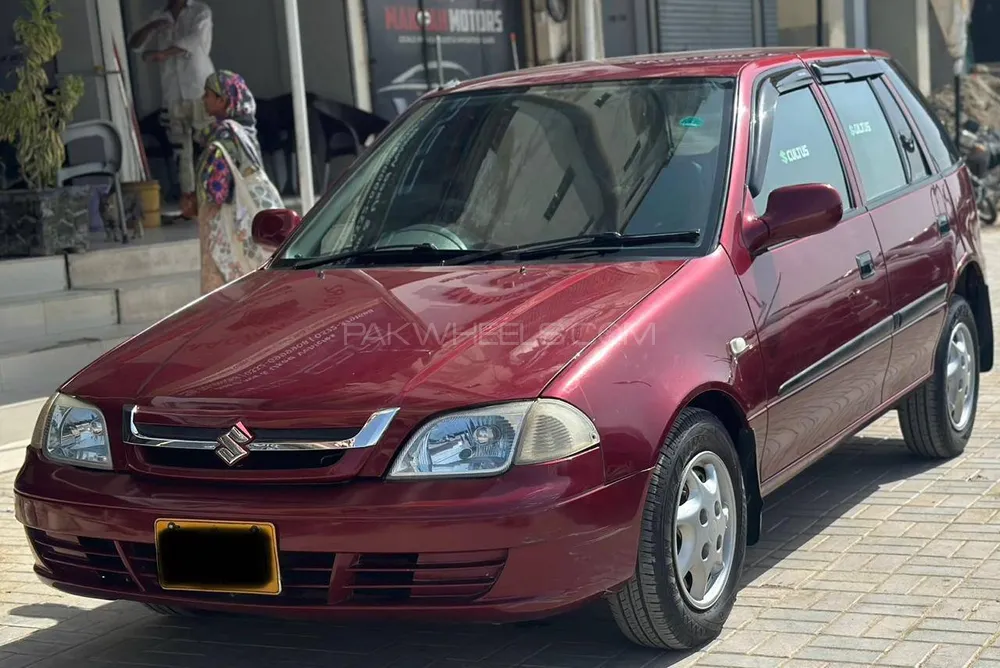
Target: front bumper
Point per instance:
(534, 542)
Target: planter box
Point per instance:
(44, 222)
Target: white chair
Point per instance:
(109, 167)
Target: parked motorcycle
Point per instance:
(981, 148)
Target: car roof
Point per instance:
(716, 62)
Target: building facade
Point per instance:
(380, 55)
(908, 29)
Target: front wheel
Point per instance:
(692, 542)
(937, 418)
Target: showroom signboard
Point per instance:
(475, 39)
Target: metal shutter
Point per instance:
(686, 25)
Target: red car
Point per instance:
(553, 339)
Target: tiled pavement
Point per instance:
(870, 558)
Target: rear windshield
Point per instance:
(477, 171)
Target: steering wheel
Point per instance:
(439, 237)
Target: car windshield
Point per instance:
(539, 166)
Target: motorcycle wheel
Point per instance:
(987, 210)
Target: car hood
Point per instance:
(361, 340)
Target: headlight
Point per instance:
(72, 432)
(487, 441)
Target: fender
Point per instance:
(671, 351)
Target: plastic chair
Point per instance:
(338, 138)
(110, 167)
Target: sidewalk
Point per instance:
(11, 457)
(869, 558)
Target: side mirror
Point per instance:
(271, 227)
(794, 212)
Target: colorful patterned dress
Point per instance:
(232, 187)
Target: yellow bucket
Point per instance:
(148, 193)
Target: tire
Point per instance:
(171, 611)
(656, 608)
(930, 430)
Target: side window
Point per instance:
(907, 140)
(869, 136)
(802, 149)
(939, 144)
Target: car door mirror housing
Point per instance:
(794, 212)
(271, 227)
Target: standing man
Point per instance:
(179, 39)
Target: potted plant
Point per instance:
(41, 218)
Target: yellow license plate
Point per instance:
(217, 557)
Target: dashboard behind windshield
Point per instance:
(469, 172)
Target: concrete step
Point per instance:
(30, 371)
(99, 268)
(151, 299)
(41, 365)
(56, 313)
(32, 276)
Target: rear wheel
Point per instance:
(937, 418)
(692, 543)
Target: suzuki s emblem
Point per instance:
(232, 445)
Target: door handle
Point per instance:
(866, 265)
(943, 224)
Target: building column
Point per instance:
(591, 46)
(302, 149)
(358, 38)
(834, 18)
(759, 24)
(923, 43)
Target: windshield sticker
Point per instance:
(862, 128)
(793, 154)
(691, 122)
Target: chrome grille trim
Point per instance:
(368, 436)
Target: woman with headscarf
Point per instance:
(232, 183)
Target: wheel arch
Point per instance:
(723, 406)
(971, 285)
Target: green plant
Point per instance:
(34, 115)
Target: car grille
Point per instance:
(424, 578)
(305, 578)
(290, 460)
(207, 460)
(86, 561)
(308, 578)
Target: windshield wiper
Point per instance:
(423, 250)
(611, 240)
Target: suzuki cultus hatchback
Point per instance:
(552, 339)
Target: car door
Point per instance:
(910, 207)
(820, 303)
(921, 291)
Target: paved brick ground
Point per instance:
(870, 558)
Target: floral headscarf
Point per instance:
(236, 133)
(240, 103)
